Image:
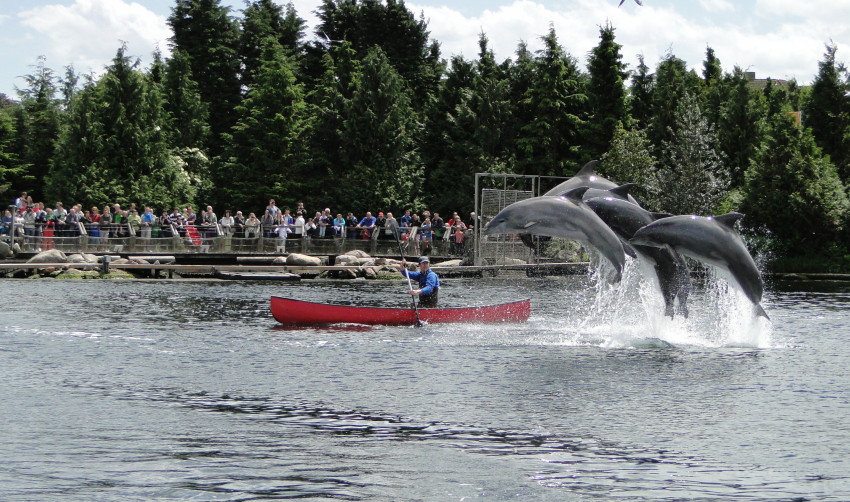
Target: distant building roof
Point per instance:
(761, 83)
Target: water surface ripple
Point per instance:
(188, 390)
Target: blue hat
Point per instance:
(424, 259)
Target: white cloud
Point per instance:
(88, 33)
(717, 5)
(783, 43)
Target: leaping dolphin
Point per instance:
(565, 217)
(710, 240)
(586, 177)
(670, 267)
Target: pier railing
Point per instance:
(137, 239)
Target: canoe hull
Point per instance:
(288, 311)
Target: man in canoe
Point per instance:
(429, 283)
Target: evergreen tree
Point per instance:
(740, 127)
(381, 160)
(187, 114)
(630, 160)
(606, 93)
(488, 110)
(793, 190)
(827, 112)
(447, 144)
(38, 129)
(328, 103)
(10, 168)
(209, 37)
(263, 19)
(69, 85)
(551, 142)
(691, 178)
(115, 149)
(672, 81)
(76, 175)
(521, 76)
(392, 27)
(640, 95)
(266, 146)
(713, 88)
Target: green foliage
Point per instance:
(827, 111)
(691, 177)
(114, 148)
(606, 93)
(263, 19)
(392, 27)
(10, 167)
(265, 158)
(382, 168)
(448, 149)
(551, 140)
(630, 160)
(793, 190)
(38, 129)
(208, 35)
(640, 94)
(672, 81)
(740, 126)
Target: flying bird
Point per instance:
(636, 1)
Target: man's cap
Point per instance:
(424, 259)
(380, 214)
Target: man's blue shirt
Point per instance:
(426, 284)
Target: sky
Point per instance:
(781, 39)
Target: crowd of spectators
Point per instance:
(34, 219)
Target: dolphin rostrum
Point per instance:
(565, 217)
(710, 240)
(670, 267)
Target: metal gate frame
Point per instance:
(481, 218)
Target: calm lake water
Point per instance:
(188, 390)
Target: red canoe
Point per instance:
(288, 311)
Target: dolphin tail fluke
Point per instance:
(760, 312)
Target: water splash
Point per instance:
(631, 313)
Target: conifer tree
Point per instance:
(209, 37)
(794, 190)
(265, 148)
(328, 103)
(381, 160)
(740, 126)
(551, 141)
(116, 149)
(714, 91)
(391, 26)
(262, 19)
(10, 168)
(827, 111)
(446, 143)
(691, 178)
(672, 81)
(606, 93)
(640, 94)
(38, 129)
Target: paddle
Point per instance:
(396, 231)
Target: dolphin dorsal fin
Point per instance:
(659, 216)
(575, 194)
(728, 219)
(587, 169)
(623, 190)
